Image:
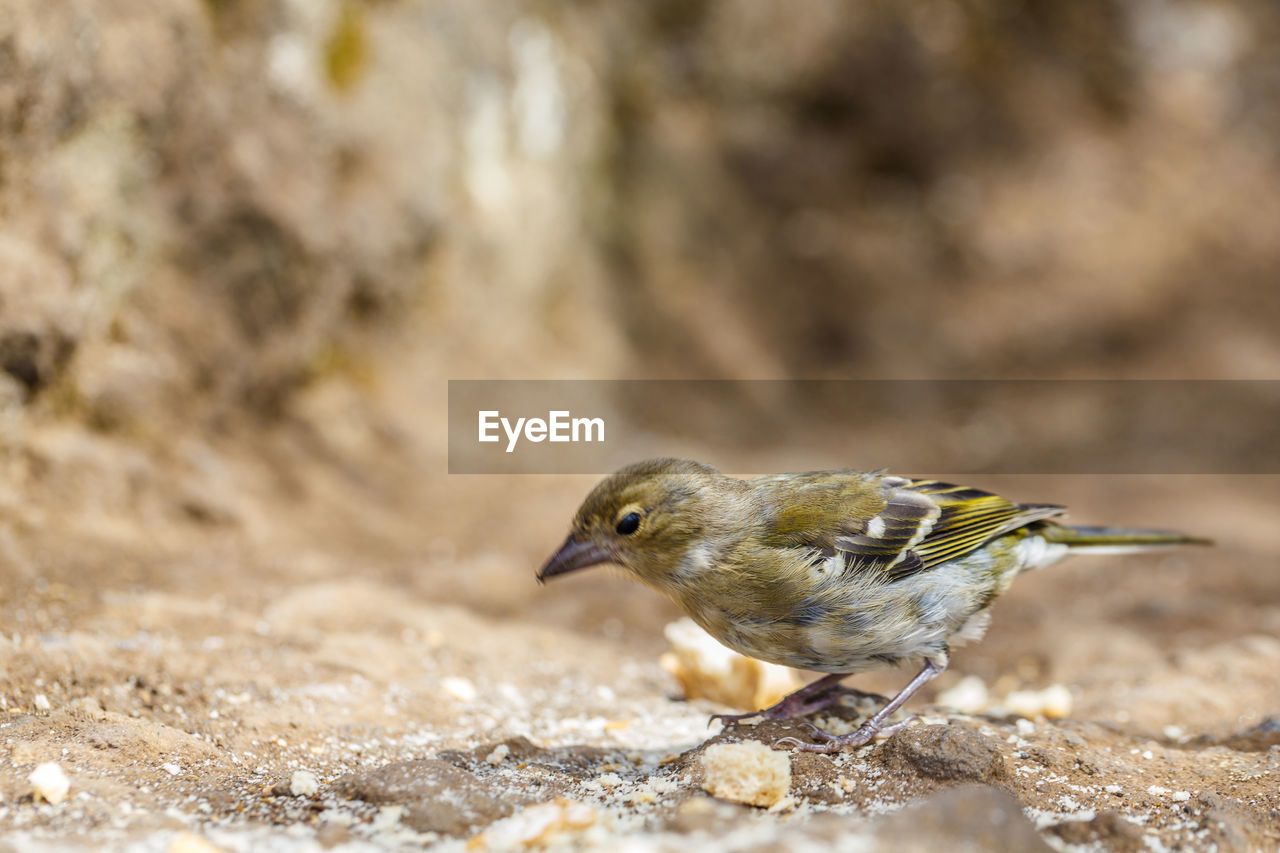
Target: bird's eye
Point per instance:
(629, 523)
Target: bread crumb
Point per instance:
(387, 818)
(536, 826)
(708, 670)
(303, 783)
(49, 783)
(1053, 702)
(747, 772)
(187, 842)
(968, 696)
(459, 688)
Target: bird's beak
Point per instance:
(574, 554)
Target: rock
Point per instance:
(1260, 738)
(437, 796)
(579, 762)
(968, 818)
(702, 814)
(1226, 826)
(1110, 830)
(944, 752)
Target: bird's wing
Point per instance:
(969, 518)
(893, 525)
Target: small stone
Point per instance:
(42, 704)
(49, 783)
(1109, 830)
(499, 754)
(436, 796)
(1181, 796)
(969, 817)
(303, 783)
(945, 752)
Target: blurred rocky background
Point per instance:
(245, 242)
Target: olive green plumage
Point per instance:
(835, 571)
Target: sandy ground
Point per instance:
(204, 689)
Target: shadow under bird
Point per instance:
(834, 571)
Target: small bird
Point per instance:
(834, 571)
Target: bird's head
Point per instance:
(645, 518)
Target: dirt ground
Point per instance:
(183, 681)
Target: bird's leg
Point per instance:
(814, 696)
(875, 725)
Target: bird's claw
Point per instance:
(727, 720)
(830, 743)
(791, 743)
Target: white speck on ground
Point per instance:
(49, 782)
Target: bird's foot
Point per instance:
(830, 743)
(796, 705)
(799, 706)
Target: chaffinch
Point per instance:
(834, 571)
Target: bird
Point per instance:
(838, 572)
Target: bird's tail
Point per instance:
(1116, 540)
